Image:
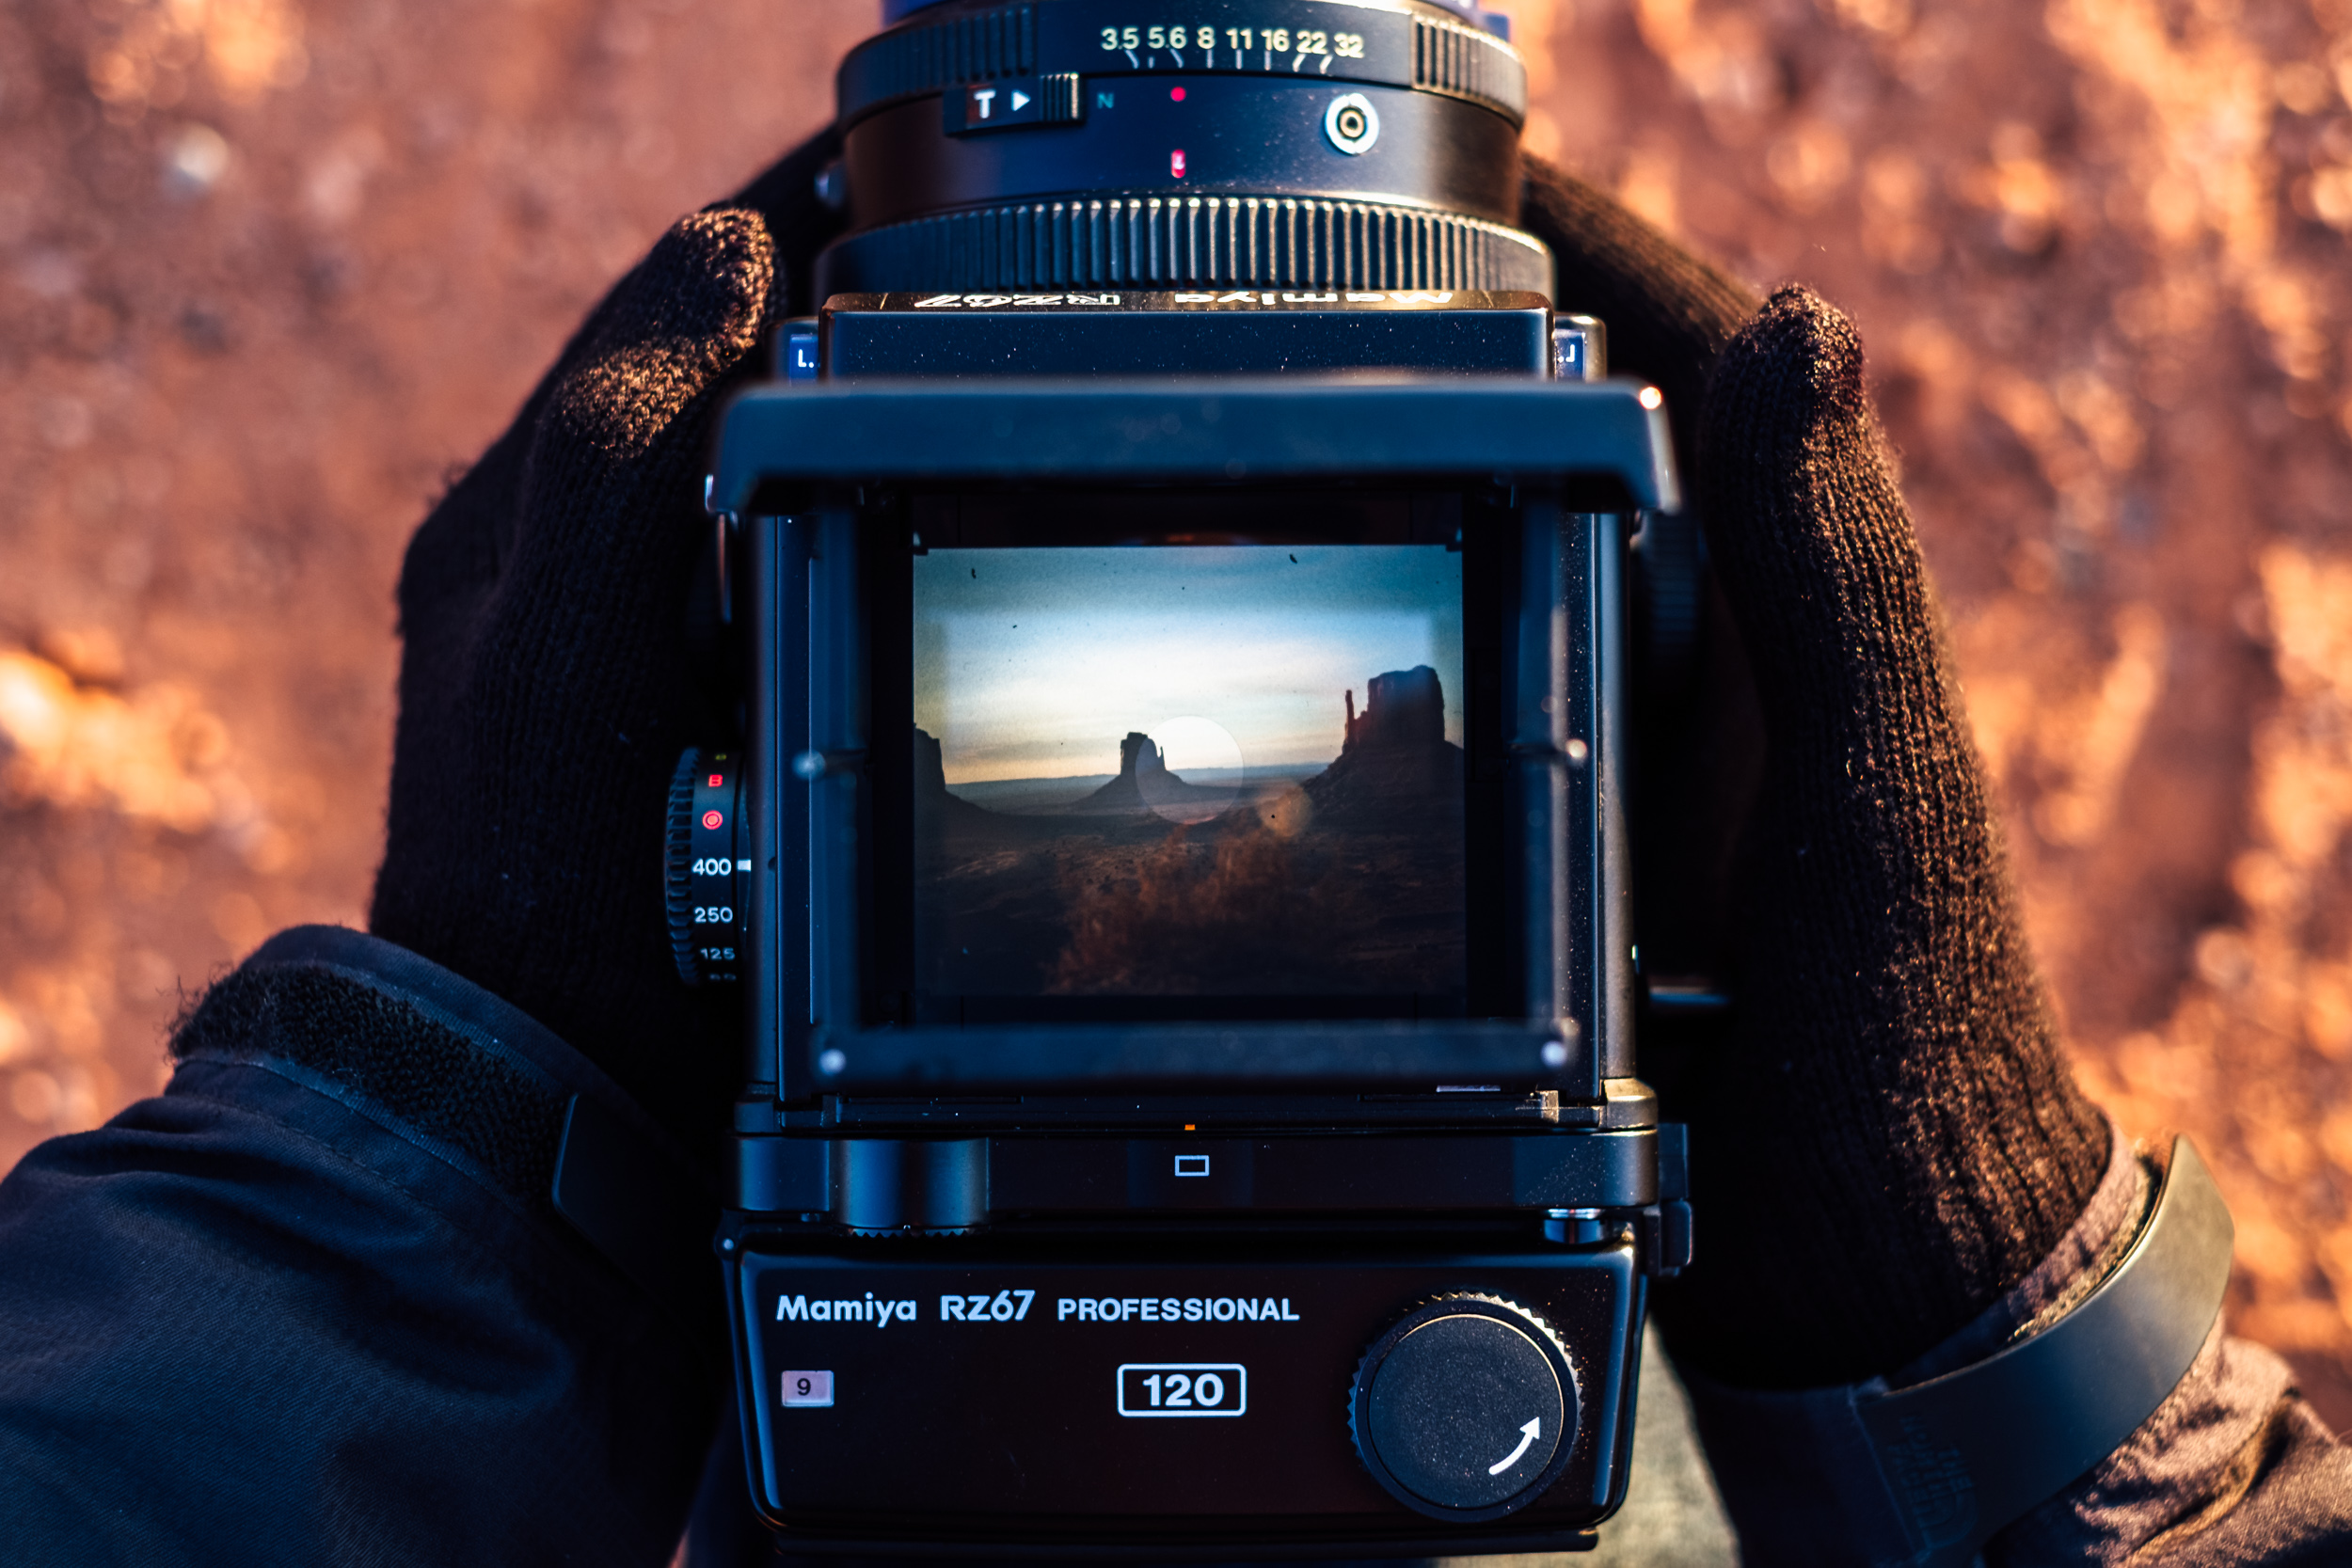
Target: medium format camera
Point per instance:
(1174, 865)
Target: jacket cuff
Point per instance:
(1804, 1482)
(445, 1064)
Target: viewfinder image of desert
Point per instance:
(1177, 771)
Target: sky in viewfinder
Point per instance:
(1032, 663)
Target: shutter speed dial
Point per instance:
(707, 877)
(1466, 1409)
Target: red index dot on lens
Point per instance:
(1176, 95)
(711, 819)
(1176, 163)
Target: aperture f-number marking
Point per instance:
(1119, 39)
(1274, 48)
(1184, 1388)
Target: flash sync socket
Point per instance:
(1352, 124)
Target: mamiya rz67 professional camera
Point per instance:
(1174, 863)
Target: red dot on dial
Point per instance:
(712, 820)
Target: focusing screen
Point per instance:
(1172, 770)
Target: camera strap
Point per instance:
(637, 1204)
(1926, 1474)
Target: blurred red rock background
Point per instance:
(271, 269)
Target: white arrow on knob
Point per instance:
(1528, 1434)
(1019, 100)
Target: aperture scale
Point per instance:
(1422, 47)
(1182, 143)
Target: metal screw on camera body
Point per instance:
(833, 187)
(1352, 124)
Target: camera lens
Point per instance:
(1298, 144)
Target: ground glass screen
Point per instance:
(1187, 771)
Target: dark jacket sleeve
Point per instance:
(2231, 1468)
(313, 1305)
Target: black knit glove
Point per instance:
(546, 685)
(1891, 1139)
(1890, 1144)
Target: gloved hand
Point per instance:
(1892, 1138)
(546, 687)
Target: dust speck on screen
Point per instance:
(1181, 771)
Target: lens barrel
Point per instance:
(1245, 143)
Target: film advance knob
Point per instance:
(1466, 1409)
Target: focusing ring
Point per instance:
(923, 58)
(1172, 242)
(1413, 45)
